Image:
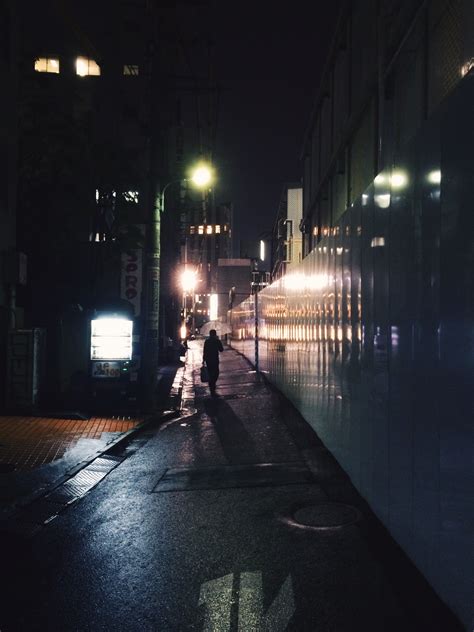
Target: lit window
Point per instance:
(377, 242)
(192, 230)
(201, 230)
(86, 67)
(225, 228)
(218, 228)
(47, 64)
(130, 196)
(130, 70)
(209, 230)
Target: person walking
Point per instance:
(212, 348)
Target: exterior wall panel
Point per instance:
(372, 338)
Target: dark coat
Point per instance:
(212, 347)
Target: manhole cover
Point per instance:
(324, 516)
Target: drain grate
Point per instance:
(326, 515)
(228, 476)
(67, 493)
(83, 481)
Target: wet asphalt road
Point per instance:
(183, 536)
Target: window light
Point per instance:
(87, 67)
(130, 196)
(47, 64)
(218, 228)
(131, 70)
(209, 230)
(201, 230)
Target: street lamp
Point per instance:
(200, 176)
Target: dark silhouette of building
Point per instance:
(105, 124)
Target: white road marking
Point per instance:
(216, 595)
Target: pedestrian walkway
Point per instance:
(29, 442)
(232, 517)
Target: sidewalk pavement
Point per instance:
(38, 451)
(232, 516)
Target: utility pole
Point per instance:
(150, 328)
(255, 288)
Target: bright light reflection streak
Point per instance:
(213, 307)
(399, 180)
(434, 177)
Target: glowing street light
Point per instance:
(202, 176)
(188, 281)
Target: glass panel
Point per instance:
(86, 67)
(46, 64)
(131, 70)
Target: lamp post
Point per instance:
(201, 176)
(188, 283)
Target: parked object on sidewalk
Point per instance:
(212, 348)
(204, 374)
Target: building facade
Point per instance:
(207, 239)
(103, 130)
(13, 266)
(372, 335)
(286, 237)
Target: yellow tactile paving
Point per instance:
(28, 442)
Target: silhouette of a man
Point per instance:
(212, 348)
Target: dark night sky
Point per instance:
(268, 60)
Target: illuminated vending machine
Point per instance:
(111, 356)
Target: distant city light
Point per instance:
(213, 306)
(262, 250)
(188, 280)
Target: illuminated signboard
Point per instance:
(106, 369)
(111, 339)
